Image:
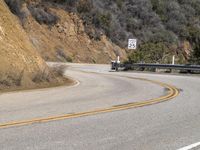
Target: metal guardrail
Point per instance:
(164, 66)
(142, 66)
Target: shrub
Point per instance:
(151, 53)
(101, 20)
(84, 6)
(15, 7)
(43, 15)
(119, 3)
(194, 38)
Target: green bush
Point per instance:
(194, 38)
(151, 53)
(84, 6)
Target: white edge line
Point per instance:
(190, 146)
(77, 82)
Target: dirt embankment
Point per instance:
(20, 63)
(67, 40)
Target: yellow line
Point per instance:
(172, 93)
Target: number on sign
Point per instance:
(132, 44)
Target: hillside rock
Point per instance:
(20, 63)
(68, 41)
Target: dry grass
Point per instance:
(55, 79)
(21, 66)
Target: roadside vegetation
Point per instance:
(43, 79)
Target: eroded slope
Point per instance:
(20, 63)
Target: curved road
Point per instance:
(164, 126)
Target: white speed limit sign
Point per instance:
(132, 43)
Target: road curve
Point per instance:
(169, 125)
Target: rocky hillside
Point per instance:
(162, 27)
(82, 30)
(60, 35)
(21, 65)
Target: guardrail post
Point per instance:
(173, 59)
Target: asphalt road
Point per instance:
(169, 125)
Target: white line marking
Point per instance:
(190, 146)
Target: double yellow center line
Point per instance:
(172, 92)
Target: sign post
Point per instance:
(132, 44)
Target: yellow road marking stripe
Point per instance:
(172, 93)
